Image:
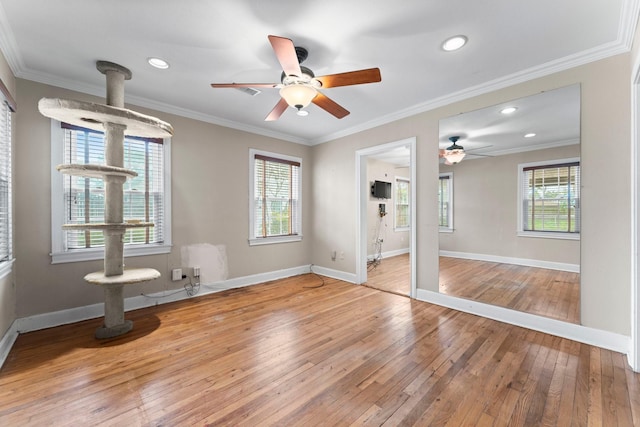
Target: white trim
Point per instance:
(61, 256)
(7, 341)
(389, 254)
(583, 334)
(334, 274)
(362, 193)
(253, 240)
(551, 265)
(542, 234)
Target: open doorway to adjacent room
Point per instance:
(386, 217)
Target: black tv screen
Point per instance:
(381, 189)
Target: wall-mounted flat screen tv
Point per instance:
(381, 189)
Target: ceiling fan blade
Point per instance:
(329, 106)
(234, 85)
(441, 153)
(370, 75)
(286, 54)
(277, 111)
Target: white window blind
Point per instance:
(551, 198)
(445, 201)
(143, 196)
(276, 197)
(402, 203)
(5, 183)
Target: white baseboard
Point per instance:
(389, 254)
(583, 334)
(7, 342)
(77, 314)
(334, 274)
(573, 268)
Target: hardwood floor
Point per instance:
(549, 293)
(292, 354)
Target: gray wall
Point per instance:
(485, 209)
(605, 123)
(210, 202)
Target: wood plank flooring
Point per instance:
(549, 293)
(290, 353)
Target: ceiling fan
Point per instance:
(299, 86)
(454, 153)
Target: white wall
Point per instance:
(485, 209)
(210, 202)
(605, 123)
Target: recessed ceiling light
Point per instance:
(454, 43)
(530, 135)
(508, 110)
(158, 63)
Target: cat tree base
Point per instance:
(114, 321)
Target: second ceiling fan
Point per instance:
(299, 87)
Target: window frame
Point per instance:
(408, 204)
(449, 227)
(253, 239)
(521, 232)
(9, 107)
(58, 254)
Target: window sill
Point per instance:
(446, 230)
(401, 229)
(273, 240)
(543, 235)
(78, 255)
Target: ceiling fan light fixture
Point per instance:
(302, 113)
(454, 43)
(454, 156)
(298, 95)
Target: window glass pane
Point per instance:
(402, 203)
(143, 195)
(444, 202)
(276, 197)
(551, 198)
(5, 183)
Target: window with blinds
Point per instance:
(6, 238)
(402, 203)
(445, 201)
(551, 197)
(143, 196)
(276, 207)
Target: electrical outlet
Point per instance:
(196, 271)
(176, 274)
(341, 254)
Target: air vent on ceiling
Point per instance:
(249, 90)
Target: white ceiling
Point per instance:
(224, 41)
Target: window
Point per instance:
(550, 198)
(79, 200)
(275, 188)
(6, 222)
(445, 202)
(402, 204)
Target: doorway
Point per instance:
(364, 200)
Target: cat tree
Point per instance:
(116, 122)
